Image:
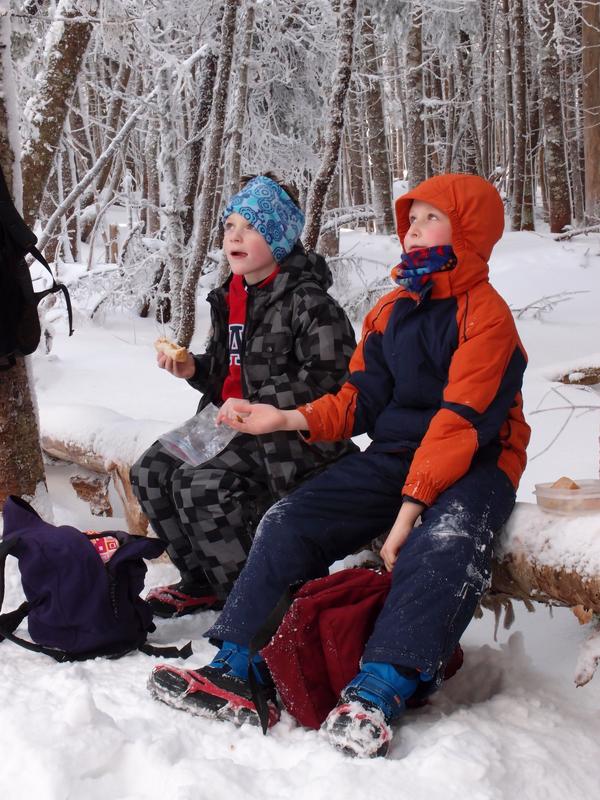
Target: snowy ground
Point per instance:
(510, 724)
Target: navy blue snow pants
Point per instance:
(441, 571)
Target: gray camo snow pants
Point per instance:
(207, 515)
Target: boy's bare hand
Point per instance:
(257, 418)
(401, 529)
(184, 369)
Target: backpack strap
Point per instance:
(26, 239)
(56, 287)
(7, 362)
(260, 639)
(265, 633)
(166, 652)
(10, 621)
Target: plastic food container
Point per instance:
(585, 500)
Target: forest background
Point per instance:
(125, 124)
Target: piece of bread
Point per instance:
(565, 483)
(171, 350)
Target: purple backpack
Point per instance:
(77, 606)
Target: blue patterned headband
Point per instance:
(270, 210)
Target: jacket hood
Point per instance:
(476, 213)
(300, 267)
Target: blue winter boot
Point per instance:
(361, 723)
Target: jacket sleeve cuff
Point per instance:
(414, 500)
(314, 430)
(198, 379)
(421, 491)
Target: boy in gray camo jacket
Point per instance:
(277, 337)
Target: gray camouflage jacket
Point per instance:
(297, 345)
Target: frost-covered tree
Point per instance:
(335, 122)
(47, 108)
(443, 85)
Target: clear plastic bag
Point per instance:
(199, 438)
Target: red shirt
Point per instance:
(237, 300)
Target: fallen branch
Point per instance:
(570, 234)
(545, 304)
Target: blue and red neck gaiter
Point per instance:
(415, 267)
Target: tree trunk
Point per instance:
(354, 131)
(574, 134)
(239, 110)
(335, 123)
(590, 39)
(9, 138)
(517, 22)
(21, 465)
(201, 117)
(171, 210)
(378, 146)
(486, 94)
(329, 242)
(509, 138)
(557, 177)
(50, 103)
(415, 128)
(450, 122)
(152, 181)
(204, 217)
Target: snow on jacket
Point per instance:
(298, 342)
(441, 376)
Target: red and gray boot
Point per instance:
(222, 690)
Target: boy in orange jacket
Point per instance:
(436, 383)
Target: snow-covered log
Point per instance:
(103, 441)
(555, 560)
(549, 558)
(538, 557)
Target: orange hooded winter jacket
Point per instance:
(442, 376)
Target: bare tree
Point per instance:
(239, 106)
(68, 39)
(517, 22)
(186, 309)
(415, 129)
(557, 177)
(335, 123)
(591, 106)
(377, 139)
